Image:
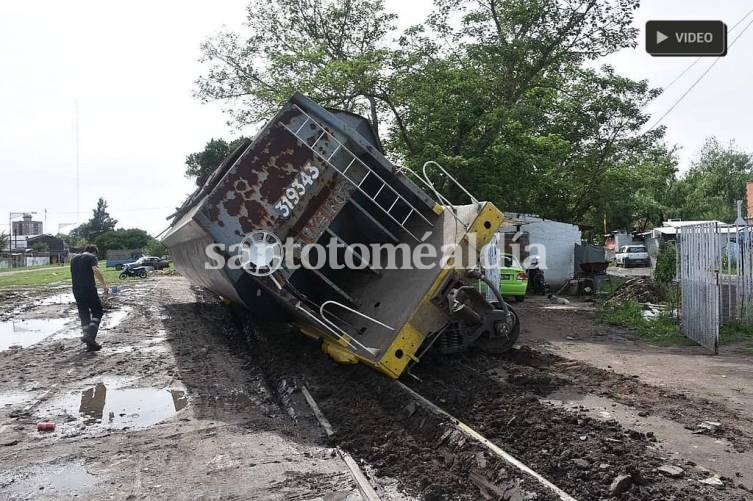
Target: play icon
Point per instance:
(686, 38)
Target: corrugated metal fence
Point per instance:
(715, 270)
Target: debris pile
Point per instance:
(165, 272)
(639, 289)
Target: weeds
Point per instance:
(737, 332)
(662, 328)
(610, 285)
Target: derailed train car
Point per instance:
(318, 176)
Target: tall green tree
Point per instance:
(4, 240)
(100, 222)
(715, 181)
(202, 163)
(335, 51)
(504, 94)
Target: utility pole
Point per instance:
(78, 182)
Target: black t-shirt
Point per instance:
(82, 274)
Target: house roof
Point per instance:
(677, 223)
(670, 227)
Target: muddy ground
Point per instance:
(186, 401)
(167, 409)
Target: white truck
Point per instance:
(632, 255)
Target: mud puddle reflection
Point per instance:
(24, 333)
(120, 408)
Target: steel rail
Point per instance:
(470, 432)
(364, 486)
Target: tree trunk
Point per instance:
(374, 115)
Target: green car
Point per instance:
(513, 279)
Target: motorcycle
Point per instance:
(136, 271)
(536, 282)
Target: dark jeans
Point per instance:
(89, 310)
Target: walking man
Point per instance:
(84, 267)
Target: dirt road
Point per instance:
(187, 401)
(167, 409)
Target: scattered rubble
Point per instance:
(620, 484)
(671, 471)
(715, 481)
(639, 289)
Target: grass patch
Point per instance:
(733, 332)
(37, 277)
(50, 275)
(29, 268)
(737, 332)
(661, 329)
(610, 284)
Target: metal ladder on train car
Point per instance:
(392, 203)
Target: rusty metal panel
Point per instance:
(309, 175)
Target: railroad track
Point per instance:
(369, 492)
(492, 447)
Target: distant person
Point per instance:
(84, 267)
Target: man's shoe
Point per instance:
(93, 346)
(87, 337)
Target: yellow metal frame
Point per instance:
(403, 348)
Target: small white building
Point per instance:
(553, 241)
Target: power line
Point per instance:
(684, 94)
(691, 65)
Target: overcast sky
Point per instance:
(131, 67)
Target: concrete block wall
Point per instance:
(559, 240)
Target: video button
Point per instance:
(686, 38)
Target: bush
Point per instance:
(155, 248)
(666, 264)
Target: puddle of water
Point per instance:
(27, 332)
(118, 408)
(64, 298)
(110, 320)
(65, 480)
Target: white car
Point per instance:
(632, 255)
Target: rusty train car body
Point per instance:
(313, 175)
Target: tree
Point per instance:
(201, 164)
(503, 93)
(40, 247)
(100, 222)
(715, 181)
(155, 248)
(4, 241)
(132, 238)
(72, 240)
(508, 104)
(334, 51)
